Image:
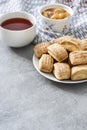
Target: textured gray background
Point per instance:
(29, 101)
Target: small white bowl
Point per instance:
(58, 26)
(18, 38)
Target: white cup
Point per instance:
(18, 38)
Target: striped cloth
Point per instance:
(78, 26)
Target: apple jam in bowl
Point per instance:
(56, 17)
(55, 13)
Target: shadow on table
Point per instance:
(80, 88)
(25, 52)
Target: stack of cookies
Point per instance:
(65, 57)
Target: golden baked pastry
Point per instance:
(46, 63)
(72, 45)
(78, 57)
(41, 48)
(57, 52)
(60, 39)
(84, 44)
(79, 72)
(61, 71)
(69, 43)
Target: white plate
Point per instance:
(51, 76)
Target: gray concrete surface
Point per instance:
(29, 101)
